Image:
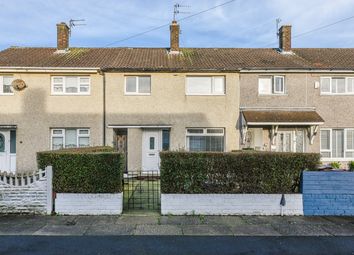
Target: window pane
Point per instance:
(83, 131)
(338, 85)
(195, 131)
(13, 141)
(152, 143)
(326, 154)
(265, 85)
(70, 138)
(84, 80)
(84, 88)
(58, 88)
(199, 85)
(350, 85)
(219, 85)
(57, 143)
(84, 141)
(165, 140)
(299, 141)
(57, 131)
(58, 80)
(130, 84)
(71, 85)
(338, 143)
(325, 84)
(197, 143)
(144, 84)
(206, 143)
(279, 84)
(215, 131)
(2, 143)
(349, 154)
(325, 140)
(350, 139)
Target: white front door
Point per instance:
(5, 160)
(150, 150)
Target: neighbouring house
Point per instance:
(144, 100)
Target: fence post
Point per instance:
(49, 174)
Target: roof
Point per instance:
(191, 59)
(282, 117)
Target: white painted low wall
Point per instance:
(231, 204)
(89, 204)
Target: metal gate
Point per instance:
(142, 191)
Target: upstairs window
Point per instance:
(268, 85)
(337, 85)
(205, 85)
(71, 85)
(138, 85)
(5, 85)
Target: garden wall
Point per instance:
(328, 193)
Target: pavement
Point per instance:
(157, 225)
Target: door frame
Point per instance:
(10, 158)
(144, 148)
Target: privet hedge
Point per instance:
(241, 172)
(88, 170)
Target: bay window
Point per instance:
(337, 143)
(205, 139)
(69, 138)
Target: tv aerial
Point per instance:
(176, 10)
(76, 23)
(277, 23)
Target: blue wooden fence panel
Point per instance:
(328, 193)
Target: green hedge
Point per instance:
(241, 172)
(88, 170)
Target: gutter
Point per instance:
(14, 69)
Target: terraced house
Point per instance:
(144, 100)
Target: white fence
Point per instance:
(231, 204)
(26, 193)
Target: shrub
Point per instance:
(335, 165)
(351, 166)
(84, 171)
(241, 172)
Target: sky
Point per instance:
(242, 23)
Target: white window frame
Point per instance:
(273, 91)
(345, 158)
(2, 86)
(79, 84)
(330, 85)
(212, 91)
(136, 93)
(204, 133)
(62, 135)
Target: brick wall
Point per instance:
(328, 193)
(30, 193)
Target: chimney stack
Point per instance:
(285, 38)
(62, 36)
(174, 37)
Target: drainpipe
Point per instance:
(104, 108)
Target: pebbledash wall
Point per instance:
(231, 204)
(29, 193)
(328, 193)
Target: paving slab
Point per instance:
(112, 229)
(62, 230)
(340, 220)
(134, 219)
(254, 230)
(183, 220)
(19, 229)
(339, 230)
(300, 230)
(158, 230)
(225, 220)
(209, 230)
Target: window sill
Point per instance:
(337, 159)
(324, 94)
(206, 95)
(7, 94)
(270, 95)
(70, 94)
(137, 94)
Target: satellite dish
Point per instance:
(19, 84)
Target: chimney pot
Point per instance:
(174, 37)
(62, 36)
(285, 38)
